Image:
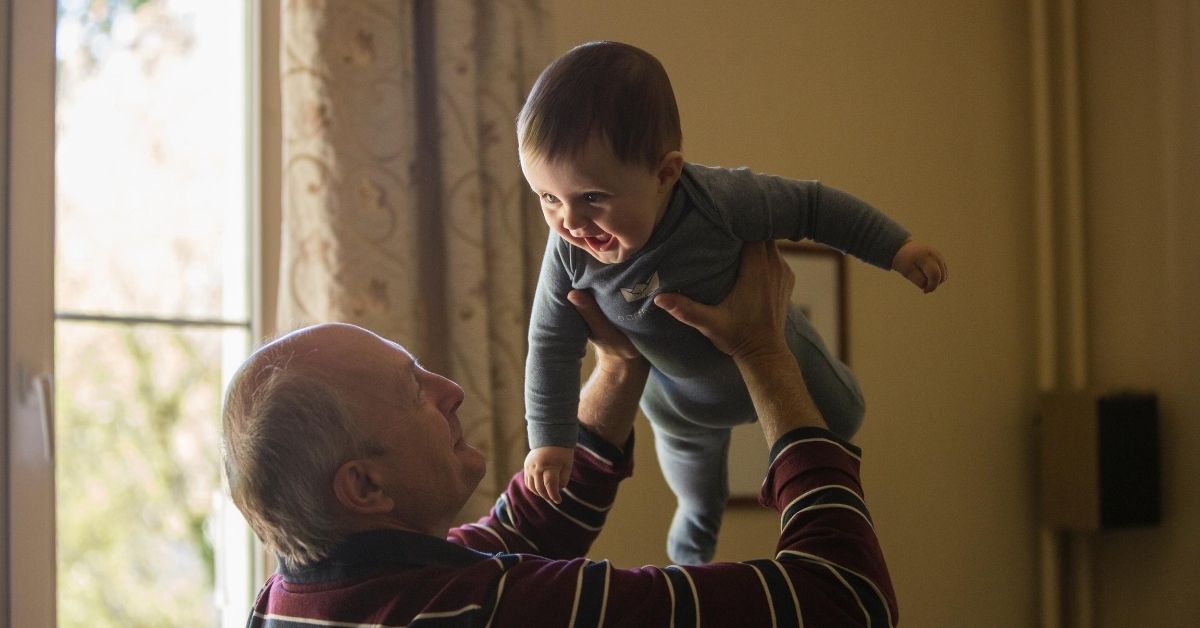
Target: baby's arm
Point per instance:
(853, 225)
(765, 207)
(557, 341)
(921, 264)
(606, 408)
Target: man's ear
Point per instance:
(357, 488)
(669, 169)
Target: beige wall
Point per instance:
(1141, 123)
(923, 108)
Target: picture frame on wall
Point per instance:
(820, 292)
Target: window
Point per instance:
(153, 275)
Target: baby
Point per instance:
(600, 141)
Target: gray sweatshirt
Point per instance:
(694, 250)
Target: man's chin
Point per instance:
(472, 459)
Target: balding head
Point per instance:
(331, 350)
(331, 430)
(289, 421)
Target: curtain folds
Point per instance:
(404, 208)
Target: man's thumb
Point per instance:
(682, 308)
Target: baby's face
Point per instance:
(599, 204)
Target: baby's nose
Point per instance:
(574, 220)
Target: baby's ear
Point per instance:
(669, 169)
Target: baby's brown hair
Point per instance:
(614, 91)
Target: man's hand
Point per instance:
(608, 401)
(547, 471)
(748, 325)
(921, 264)
(610, 342)
(750, 319)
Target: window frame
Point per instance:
(27, 315)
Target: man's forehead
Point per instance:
(362, 363)
(340, 348)
(399, 348)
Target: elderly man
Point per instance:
(348, 460)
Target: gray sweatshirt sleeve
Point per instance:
(759, 207)
(557, 341)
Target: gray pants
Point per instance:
(692, 437)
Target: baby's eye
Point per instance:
(549, 198)
(592, 197)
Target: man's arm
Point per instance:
(813, 481)
(608, 402)
(828, 569)
(522, 522)
(748, 326)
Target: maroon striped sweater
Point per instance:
(523, 564)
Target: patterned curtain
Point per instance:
(404, 208)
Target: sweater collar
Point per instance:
(366, 552)
(676, 210)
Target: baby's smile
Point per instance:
(600, 242)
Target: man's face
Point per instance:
(409, 417)
(598, 203)
(425, 456)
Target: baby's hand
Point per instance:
(547, 470)
(921, 264)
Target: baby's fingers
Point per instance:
(549, 479)
(531, 482)
(917, 277)
(934, 273)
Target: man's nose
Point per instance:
(451, 394)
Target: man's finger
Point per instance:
(683, 309)
(585, 305)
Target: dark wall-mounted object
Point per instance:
(1099, 460)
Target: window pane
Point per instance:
(152, 220)
(139, 491)
(151, 166)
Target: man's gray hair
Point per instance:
(285, 431)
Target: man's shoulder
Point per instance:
(401, 592)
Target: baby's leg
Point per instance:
(832, 386)
(693, 459)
